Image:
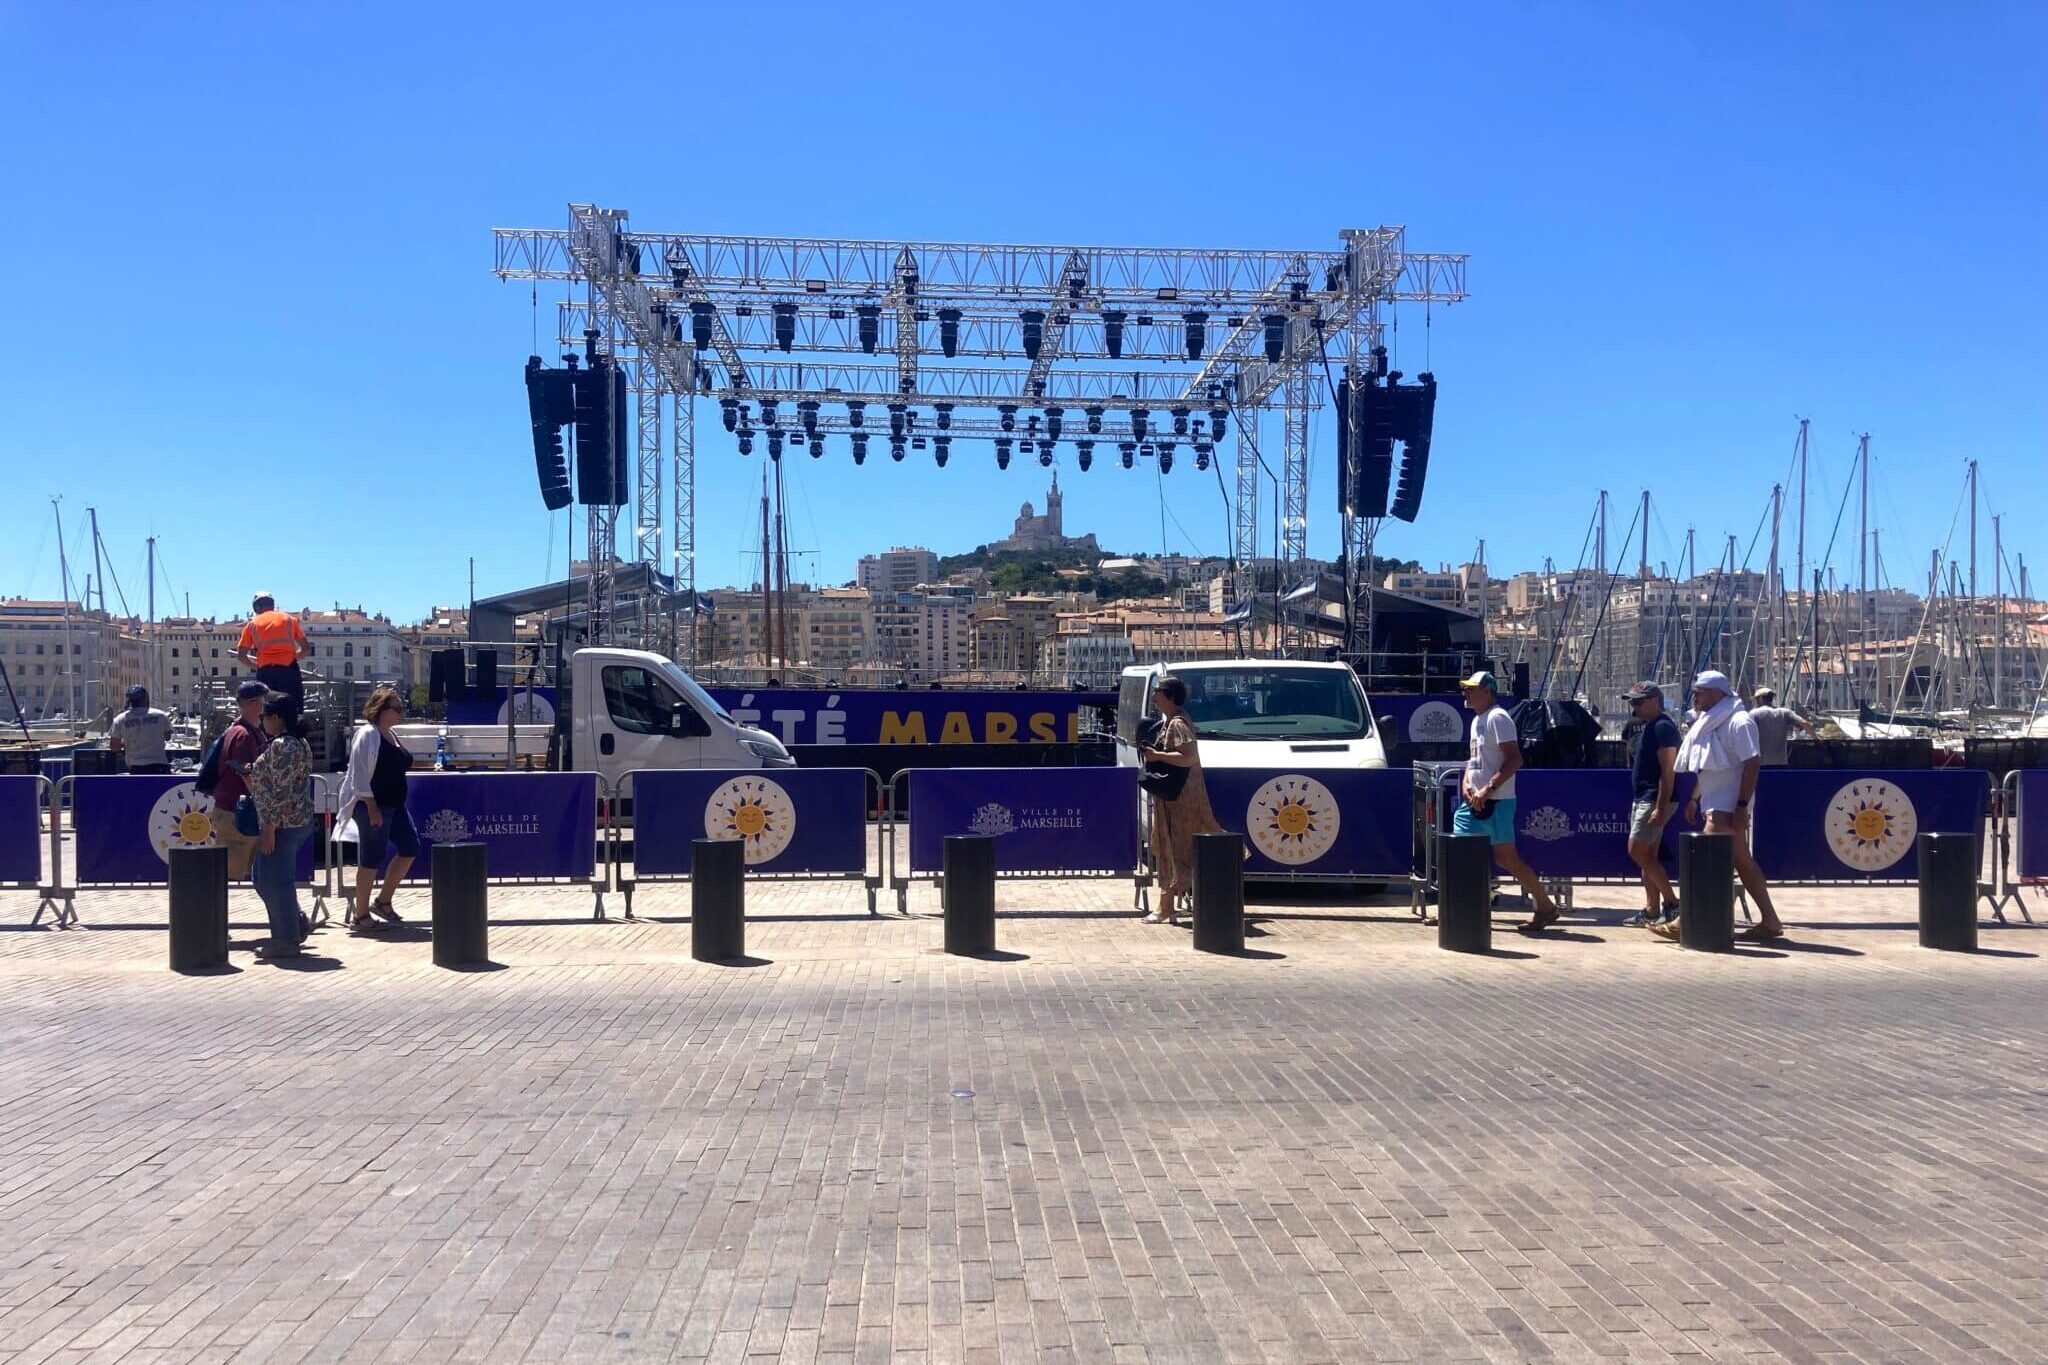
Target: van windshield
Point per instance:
(1274, 703)
(704, 702)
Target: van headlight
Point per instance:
(770, 751)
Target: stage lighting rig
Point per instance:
(817, 447)
(942, 413)
(774, 443)
(1084, 454)
(949, 334)
(729, 413)
(860, 447)
(1166, 457)
(1053, 420)
(1034, 332)
(1094, 421)
(1127, 451)
(1219, 421)
(1141, 421)
(785, 326)
(1002, 452)
(1180, 421)
(942, 449)
(1007, 417)
(1202, 452)
(869, 324)
(700, 325)
(1198, 334)
(896, 448)
(807, 413)
(856, 412)
(1113, 333)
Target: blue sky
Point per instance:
(251, 310)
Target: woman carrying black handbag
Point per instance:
(1180, 799)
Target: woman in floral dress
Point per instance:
(279, 784)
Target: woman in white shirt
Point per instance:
(372, 811)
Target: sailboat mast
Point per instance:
(153, 670)
(64, 592)
(1863, 543)
(1998, 592)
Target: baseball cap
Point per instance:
(1642, 691)
(251, 690)
(1481, 679)
(1712, 678)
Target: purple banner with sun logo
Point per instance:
(126, 827)
(21, 831)
(1319, 822)
(1814, 824)
(2030, 814)
(797, 820)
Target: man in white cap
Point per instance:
(1722, 752)
(1488, 785)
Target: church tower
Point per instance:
(1055, 523)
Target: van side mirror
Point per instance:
(1385, 722)
(685, 723)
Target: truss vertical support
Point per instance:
(602, 547)
(684, 411)
(1244, 547)
(1292, 552)
(647, 487)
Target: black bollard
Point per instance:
(1219, 893)
(1948, 892)
(1706, 888)
(1464, 893)
(718, 899)
(969, 870)
(199, 909)
(461, 905)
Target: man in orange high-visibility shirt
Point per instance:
(272, 643)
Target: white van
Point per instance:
(1261, 713)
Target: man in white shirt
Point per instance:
(1723, 753)
(1488, 786)
(142, 735)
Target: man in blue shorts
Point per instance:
(1488, 786)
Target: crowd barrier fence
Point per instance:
(25, 842)
(798, 824)
(1070, 823)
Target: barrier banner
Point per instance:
(791, 819)
(125, 828)
(532, 824)
(1573, 822)
(21, 832)
(2030, 814)
(1325, 822)
(1817, 824)
(1042, 819)
(1426, 720)
(883, 716)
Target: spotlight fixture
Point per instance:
(1166, 457)
(1053, 417)
(896, 411)
(860, 447)
(1008, 417)
(1094, 421)
(1002, 452)
(700, 325)
(1045, 454)
(896, 448)
(1219, 418)
(1276, 335)
(1198, 334)
(1180, 421)
(1034, 333)
(729, 413)
(768, 412)
(870, 325)
(1202, 452)
(774, 443)
(943, 414)
(785, 325)
(746, 442)
(949, 335)
(917, 443)
(1084, 454)
(1126, 451)
(942, 449)
(817, 447)
(807, 411)
(856, 412)
(1140, 423)
(1113, 334)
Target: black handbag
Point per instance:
(1161, 781)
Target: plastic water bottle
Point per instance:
(441, 749)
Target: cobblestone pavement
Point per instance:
(1345, 1146)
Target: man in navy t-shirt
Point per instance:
(1654, 767)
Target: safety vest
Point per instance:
(272, 635)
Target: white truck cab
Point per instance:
(1260, 713)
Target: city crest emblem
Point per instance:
(1547, 824)
(1870, 824)
(1293, 819)
(993, 820)
(1436, 722)
(445, 827)
(755, 810)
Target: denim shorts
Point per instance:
(1498, 824)
(396, 834)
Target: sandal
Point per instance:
(1538, 921)
(386, 911)
(1758, 933)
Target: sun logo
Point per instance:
(180, 819)
(1870, 824)
(755, 810)
(1292, 819)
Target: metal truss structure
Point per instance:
(1142, 351)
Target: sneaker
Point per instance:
(1641, 919)
(272, 952)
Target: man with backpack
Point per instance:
(220, 775)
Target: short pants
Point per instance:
(396, 834)
(1498, 824)
(1639, 828)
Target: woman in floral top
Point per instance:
(279, 783)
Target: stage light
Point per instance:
(943, 415)
(703, 378)
(1094, 421)
(767, 412)
(1007, 417)
(1002, 452)
(917, 443)
(1084, 454)
(774, 444)
(1034, 333)
(1113, 334)
(1198, 334)
(1166, 457)
(1127, 451)
(746, 442)
(1202, 451)
(860, 447)
(1180, 421)
(949, 332)
(1140, 423)
(870, 326)
(1167, 295)
(808, 412)
(817, 447)
(1219, 420)
(729, 413)
(700, 325)
(1276, 335)
(1045, 454)
(785, 325)
(856, 413)
(896, 448)
(1053, 419)
(896, 411)
(942, 449)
